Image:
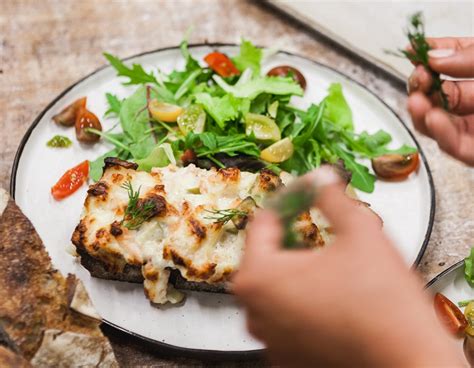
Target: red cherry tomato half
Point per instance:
(395, 166)
(221, 64)
(71, 181)
(450, 315)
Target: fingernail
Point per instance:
(325, 176)
(441, 53)
(413, 83)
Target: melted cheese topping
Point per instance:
(186, 237)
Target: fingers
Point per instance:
(420, 80)
(452, 62)
(345, 216)
(454, 134)
(264, 234)
(456, 43)
(418, 107)
(460, 94)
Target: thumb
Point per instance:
(452, 62)
(346, 215)
(264, 234)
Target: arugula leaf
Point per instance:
(337, 110)
(361, 177)
(250, 57)
(209, 144)
(309, 122)
(254, 87)
(221, 109)
(114, 105)
(136, 73)
(469, 268)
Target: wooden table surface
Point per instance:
(47, 45)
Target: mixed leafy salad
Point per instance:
(226, 107)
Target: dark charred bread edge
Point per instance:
(130, 273)
(115, 161)
(7, 342)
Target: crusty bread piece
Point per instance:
(38, 303)
(9, 358)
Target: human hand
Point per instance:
(353, 303)
(453, 130)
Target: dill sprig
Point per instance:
(225, 215)
(137, 211)
(416, 36)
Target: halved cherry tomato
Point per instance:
(288, 71)
(85, 119)
(395, 166)
(67, 116)
(221, 64)
(71, 181)
(450, 315)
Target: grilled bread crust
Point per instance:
(35, 297)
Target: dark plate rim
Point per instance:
(453, 268)
(203, 353)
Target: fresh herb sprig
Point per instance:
(137, 212)
(416, 36)
(225, 215)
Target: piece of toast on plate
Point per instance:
(46, 318)
(175, 227)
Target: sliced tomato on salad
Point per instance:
(450, 315)
(71, 181)
(221, 64)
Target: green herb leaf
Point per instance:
(221, 109)
(337, 110)
(416, 36)
(250, 56)
(114, 105)
(361, 177)
(136, 74)
(96, 167)
(225, 215)
(464, 303)
(254, 87)
(59, 141)
(469, 268)
(137, 211)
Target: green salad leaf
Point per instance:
(469, 268)
(114, 105)
(337, 110)
(322, 132)
(136, 74)
(254, 87)
(221, 109)
(249, 57)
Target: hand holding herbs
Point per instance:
(225, 110)
(337, 273)
(442, 109)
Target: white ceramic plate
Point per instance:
(209, 322)
(452, 284)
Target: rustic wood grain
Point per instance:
(47, 45)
